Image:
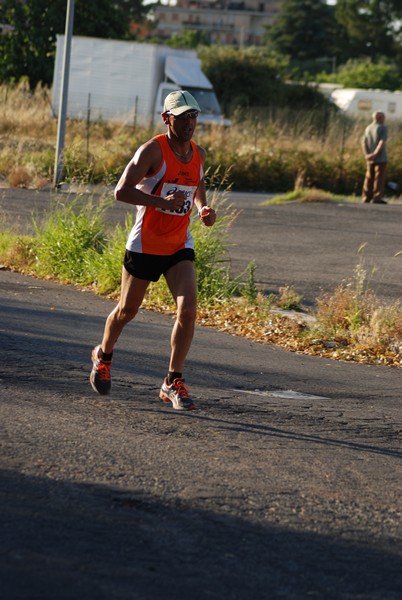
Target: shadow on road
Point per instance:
(273, 432)
(64, 540)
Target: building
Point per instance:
(226, 22)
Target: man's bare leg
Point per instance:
(131, 297)
(181, 280)
(182, 284)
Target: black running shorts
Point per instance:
(152, 266)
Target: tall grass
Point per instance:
(105, 263)
(353, 315)
(67, 240)
(73, 244)
(270, 150)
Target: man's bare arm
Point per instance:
(207, 214)
(145, 161)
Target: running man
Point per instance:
(164, 180)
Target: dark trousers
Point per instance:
(374, 182)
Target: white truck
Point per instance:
(363, 103)
(112, 80)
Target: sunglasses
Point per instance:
(193, 114)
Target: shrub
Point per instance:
(67, 237)
(365, 74)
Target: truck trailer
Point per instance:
(113, 80)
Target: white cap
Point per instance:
(177, 103)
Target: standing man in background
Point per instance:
(375, 152)
(165, 181)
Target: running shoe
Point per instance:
(177, 394)
(100, 375)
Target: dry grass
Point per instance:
(383, 330)
(24, 114)
(277, 152)
(28, 133)
(327, 333)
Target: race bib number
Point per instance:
(189, 191)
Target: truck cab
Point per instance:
(184, 73)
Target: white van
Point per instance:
(362, 103)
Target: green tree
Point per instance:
(371, 27)
(251, 77)
(28, 50)
(304, 30)
(188, 38)
(241, 77)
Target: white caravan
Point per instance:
(363, 103)
(114, 80)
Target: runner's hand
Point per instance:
(174, 201)
(207, 215)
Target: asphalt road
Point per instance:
(313, 247)
(286, 483)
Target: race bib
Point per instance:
(189, 191)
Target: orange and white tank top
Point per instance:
(160, 231)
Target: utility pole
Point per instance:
(61, 126)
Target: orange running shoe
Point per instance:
(177, 394)
(100, 375)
